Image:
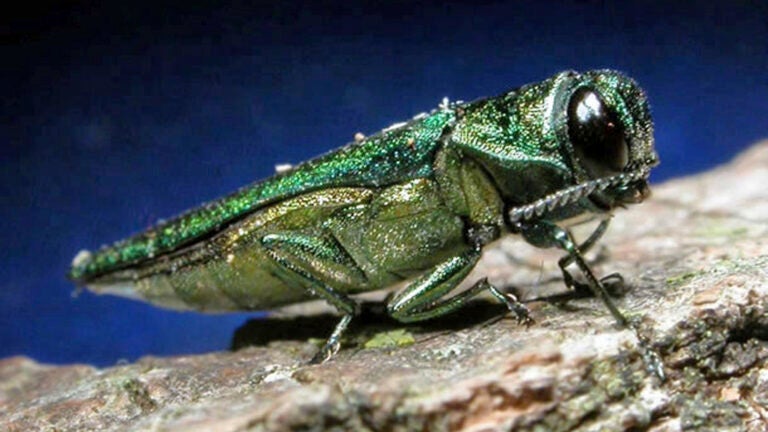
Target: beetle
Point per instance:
(415, 202)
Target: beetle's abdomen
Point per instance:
(232, 270)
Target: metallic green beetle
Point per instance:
(417, 201)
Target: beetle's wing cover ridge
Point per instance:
(394, 155)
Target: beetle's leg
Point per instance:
(612, 282)
(593, 238)
(422, 299)
(546, 234)
(305, 262)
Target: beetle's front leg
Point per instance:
(308, 262)
(423, 299)
(547, 234)
(612, 282)
(593, 238)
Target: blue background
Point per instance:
(115, 116)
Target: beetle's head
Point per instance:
(582, 141)
(607, 123)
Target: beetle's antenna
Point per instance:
(572, 194)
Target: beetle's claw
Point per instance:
(523, 317)
(521, 312)
(328, 350)
(615, 285)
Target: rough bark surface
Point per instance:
(695, 262)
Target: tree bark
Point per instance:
(695, 262)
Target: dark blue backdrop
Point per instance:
(115, 116)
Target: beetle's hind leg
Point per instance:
(311, 263)
(423, 299)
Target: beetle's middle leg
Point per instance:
(423, 299)
(310, 263)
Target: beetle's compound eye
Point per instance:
(596, 133)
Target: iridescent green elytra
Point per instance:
(417, 201)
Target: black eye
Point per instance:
(596, 133)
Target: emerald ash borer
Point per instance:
(415, 202)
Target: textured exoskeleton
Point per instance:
(417, 201)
